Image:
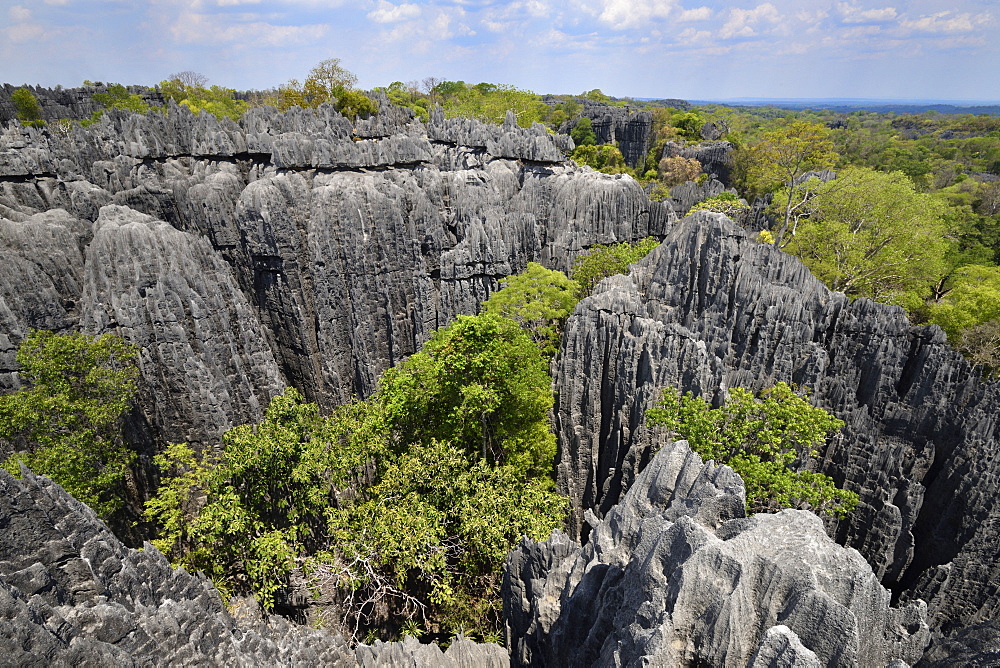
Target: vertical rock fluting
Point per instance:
(292, 248)
(712, 309)
(673, 576)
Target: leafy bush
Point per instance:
(676, 170)
(602, 157)
(27, 108)
(66, 424)
(725, 203)
(328, 83)
(583, 132)
(218, 101)
(540, 300)
(768, 440)
(600, 261)
(404, 505)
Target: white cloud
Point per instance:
(19, 13)
(696, 14)
(386, 12)
(24, 32)
(852, 13)
(233, 3)
(742, 22)
(945, 22)
(620, 14)
(59, 3)
(194, 28)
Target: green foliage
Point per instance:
(688, 124)
(27, 108)
(488, 102)
(602, 157)
(215, 100)
(583, 132)
(973, 298)
(870, 234)
(66, 424)
(480, 384)
(726, 203)
(328, 83)
(410, 499)
(600, 261)
(540, 300)
(768, 440)
(779, 160)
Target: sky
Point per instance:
(689, 49)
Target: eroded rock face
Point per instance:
(675, 576)
(72, 595)
(289, 249)
(712, 309)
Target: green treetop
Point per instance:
(768, 440)
(66, 423)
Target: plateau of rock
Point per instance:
(303, 249)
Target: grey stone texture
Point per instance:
(675, 576)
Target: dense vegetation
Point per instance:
(770, 440)
(67, 422)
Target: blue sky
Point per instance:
(694, 49)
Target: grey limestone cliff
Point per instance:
(674, 575)
(712, 309)
(294, 248)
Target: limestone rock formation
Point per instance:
(293, 248)
(712, 309)
(674, 575)
(72, 595)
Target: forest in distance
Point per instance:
(402, 506)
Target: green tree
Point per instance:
(583, 132)
(328, 83)
(726, 203)
(870, 234)
(480, 384)
(768, 440)
(600, 261)
(215, 100)
(780, 160)
(972, 299)
(540, 300)
(405, 504)
(67, 424)
(27, 108)
(602, 157)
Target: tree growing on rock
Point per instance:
(27, 108)
(769, 440)
(328, 83)
(780, 160)
(67, 423)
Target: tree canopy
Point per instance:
(768, 440)
(403, 506)
(870, 234)
(66, 423)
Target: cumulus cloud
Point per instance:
(386, 12)
(945, 22)
(696, 14)
(852, 13)
(744, 22)
(19, 13)
(620, 14)
(196, 28)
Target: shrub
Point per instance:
(768, 440)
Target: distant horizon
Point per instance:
(856, 100)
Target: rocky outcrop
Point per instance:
(72, 595)
(630, 129)
(293, 248)
(715, 157)
(70, 103)
(674, 575)
(461, 653)
(712, 309)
